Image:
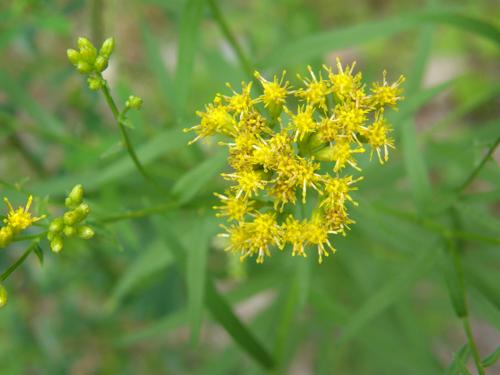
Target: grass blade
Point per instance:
(318, 44)
(188, 43)
(194, 180)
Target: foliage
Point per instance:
(413, 288)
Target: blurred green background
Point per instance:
(139, 298)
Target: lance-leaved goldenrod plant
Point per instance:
(290, 141)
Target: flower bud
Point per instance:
(84, 67)
(95, 83)
(107, 48)
(56, 225)
(73, 56)
(83, 42)
(88, 54)
(82, 211)
(134, 102)
(101, 63)
(69, 231)
(70, 218)
(85, 232)
(325, 154)
(75, 197)
(3, 296)
(56, 244)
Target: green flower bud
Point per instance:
(134, 102)
(82, 211)
(101, 63)
(84, 67)
(75, 197)
(88, 54)
(56, 225)
(51, 235)
(107, 48)
(73, 56)
(71, 217)
(69, 231)
(3, 296)
(95, 83)
(325, 154)
(85, 232)
(83, 42)
(56, 244)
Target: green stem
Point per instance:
(125, 138)
(457, 248)
(18, 262)
(219, 18)
(474, 173)
(139, 213)
(30, 237)
(472, 345)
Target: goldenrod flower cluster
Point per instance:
(71, 224)
(289, 141)
(16, 221)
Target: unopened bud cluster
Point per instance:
(87, 60)
(72, 223)
(288, 140)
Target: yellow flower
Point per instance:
(303, 122)
(248, 182)
(377, 136)
(385, 94)
(294, 233)
(337, 190)
(316, 90)
(344, 84)
(232, 207)
(317, 232)
(350, 117)
(329, 129)
(337, 219)
(240, 102)
(264, 233)
(20, 219)
(215, 119)
(275, 93)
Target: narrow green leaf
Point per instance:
(47, 123)
(194, 180)
(196, 270)
(39, 253)
(492, 358)
(188, 43)
(153, 259)
(162, 78)
(318, 44)
(386, 295)
(459, 360)
(222, 312)
(413, 159)
(454, 279)
(148, 152)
